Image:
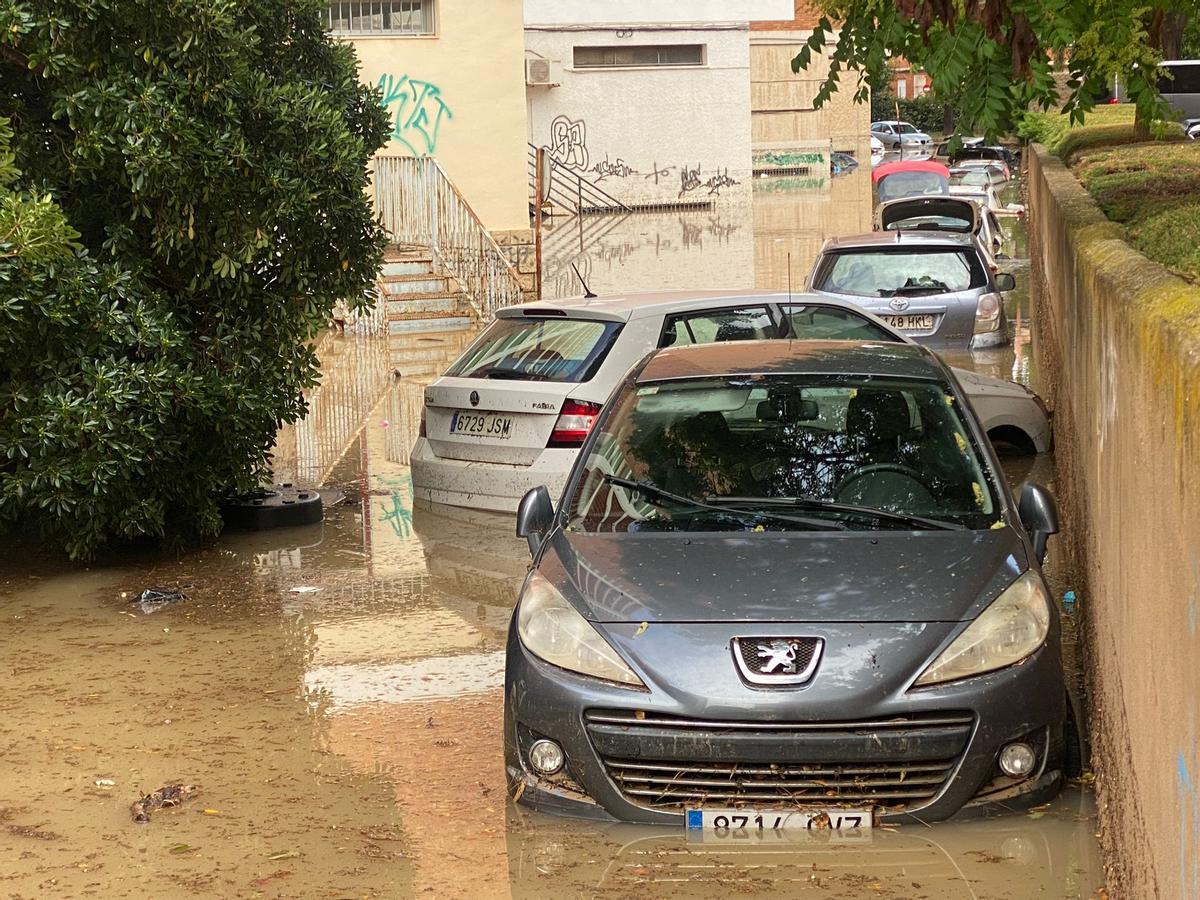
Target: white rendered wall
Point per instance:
(655, 134)
(654, 12)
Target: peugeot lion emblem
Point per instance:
(779, 656)
(474, 398)
(776, 661)
(899, 304)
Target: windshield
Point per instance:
(537, 349)
(971, 177)
(778, 452)
(905, 128)
(911, 184)
(885, 273)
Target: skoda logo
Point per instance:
(899, 304)
(475, 394)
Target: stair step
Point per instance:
(410, 285)
(407, 354)
(427, 322)
(439, 303)
(407, 267)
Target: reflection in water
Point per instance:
(348, 739)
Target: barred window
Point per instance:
(639, 55)
(380, 17)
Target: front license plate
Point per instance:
(739, 824)
(910, 323)
(481, 425)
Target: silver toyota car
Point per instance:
(937, 289)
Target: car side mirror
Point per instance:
(1005, 282)
(1039, 514)
(535, 515)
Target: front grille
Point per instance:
(672, 763)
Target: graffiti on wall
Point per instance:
(568, 142)
(418, 111)
(1188, 791)
(689, 180)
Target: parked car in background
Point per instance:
(786, 582)
(938, 289)
(877, 151)
(841, 163)
(1179, 86)
(900, 135)
(985, 196)
(954, 215)
(986, 153)
(983, 165)
(909, 178)
(985, 176)
(515, 407)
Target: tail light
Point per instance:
(575, 420)
(987, 314)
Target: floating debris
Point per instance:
(167, 795)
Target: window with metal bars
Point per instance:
(639, 55)
(380, 17)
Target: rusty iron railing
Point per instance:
(421, 207)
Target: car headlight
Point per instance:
(1010, 629)
(552, 630)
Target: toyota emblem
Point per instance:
(475, 394)
(899, 304)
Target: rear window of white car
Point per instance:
(538, 349)
(886, 273)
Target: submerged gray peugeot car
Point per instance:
(785, 576)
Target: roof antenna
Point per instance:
(789, 277)
(587, 291)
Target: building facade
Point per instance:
(786, 125)
(646, 99)
(453, 81)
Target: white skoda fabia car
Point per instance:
(512, 411)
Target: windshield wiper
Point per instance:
(650, 490)
(932, 286)
(504, 372)
(847, 508)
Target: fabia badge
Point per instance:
(474, 398)
(775, 660)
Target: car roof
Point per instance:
(908, 165)
(893, 238)
(626, 307)
(784, 357)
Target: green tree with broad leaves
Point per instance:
(181, 204)
(993, 59)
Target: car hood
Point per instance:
(877, 576)
(978, 385)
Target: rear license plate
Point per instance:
(481, 425)
(741, 824)
(910, 323)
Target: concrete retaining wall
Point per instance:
(1117, 339)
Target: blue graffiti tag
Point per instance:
(419, 111)
(400, 515)
(1189, 856)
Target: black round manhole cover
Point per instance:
(279, 506)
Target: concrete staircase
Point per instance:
(428, 319)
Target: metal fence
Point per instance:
(421, 207)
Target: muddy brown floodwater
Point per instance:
(334, 692)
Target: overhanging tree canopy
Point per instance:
(994, 58)
(190, 176)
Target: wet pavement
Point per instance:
(334, 692)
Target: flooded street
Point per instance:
(334, 692)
